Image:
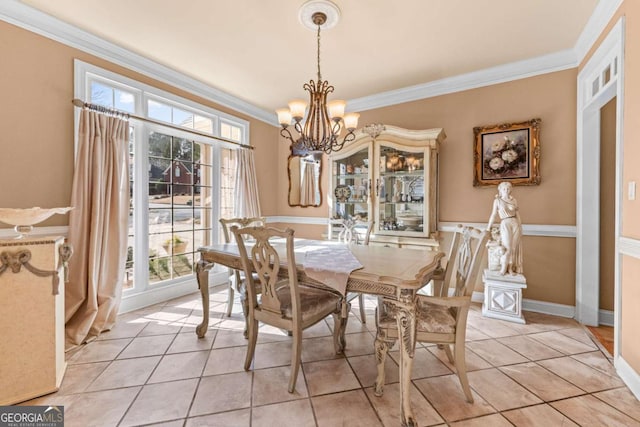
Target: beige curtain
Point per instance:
(97, 226)
(308, 186)
(247, 203)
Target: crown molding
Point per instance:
(21, 15)
(38, 22)
(550, 63)
(599, 19)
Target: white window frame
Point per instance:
(143, 293)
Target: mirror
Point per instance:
(304, 177)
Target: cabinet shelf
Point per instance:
(401, 174)
(352, 175)
(401, 203)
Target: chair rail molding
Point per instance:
(310, 220)
(542, 230)
(630, 247)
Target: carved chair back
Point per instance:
(349, 233)
(227, 223)
(265, 263)
(235, 276)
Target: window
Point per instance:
(181, 183)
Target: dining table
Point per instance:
(396, 274)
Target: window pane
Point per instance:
(159, 267)
(225, 130)
(101, 94)
(159, 111)
(236, 133)
(182, 265)
(159, 219)
(182, 149)
(160, 145)
(197, 148)
(182, 177)
(159, 172)
(202, 218)
(182, 118)
(124, 101)
(203, 124)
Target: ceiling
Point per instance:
(258, 51)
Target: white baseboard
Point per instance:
(165, 293)
(9, 233)
(606, 317)
(628, 375)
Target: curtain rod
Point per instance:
(81, 104)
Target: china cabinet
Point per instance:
(390, 175)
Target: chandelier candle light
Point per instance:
(324, 122)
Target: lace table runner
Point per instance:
(331, 266)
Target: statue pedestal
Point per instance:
(503, 296)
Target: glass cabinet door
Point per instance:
(400, 190)
(351, 185)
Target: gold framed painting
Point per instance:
(507, 152)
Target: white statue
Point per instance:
(506, 207)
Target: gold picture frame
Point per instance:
(507, 152)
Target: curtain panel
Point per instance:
(247, 203)
(97, 227)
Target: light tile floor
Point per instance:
(151, 369)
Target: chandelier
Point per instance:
(324, 122)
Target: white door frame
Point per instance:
(600, 80)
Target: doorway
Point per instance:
(599, 85)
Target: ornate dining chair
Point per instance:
(351, 233)
(439, 319)
(236, 277)
(283, 303)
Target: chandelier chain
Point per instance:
(319, 75)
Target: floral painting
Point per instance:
(507, 152)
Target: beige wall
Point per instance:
(630, 268)
(36, 119)
(552, 98)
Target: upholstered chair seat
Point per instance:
(313, 301)
(429, 317)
